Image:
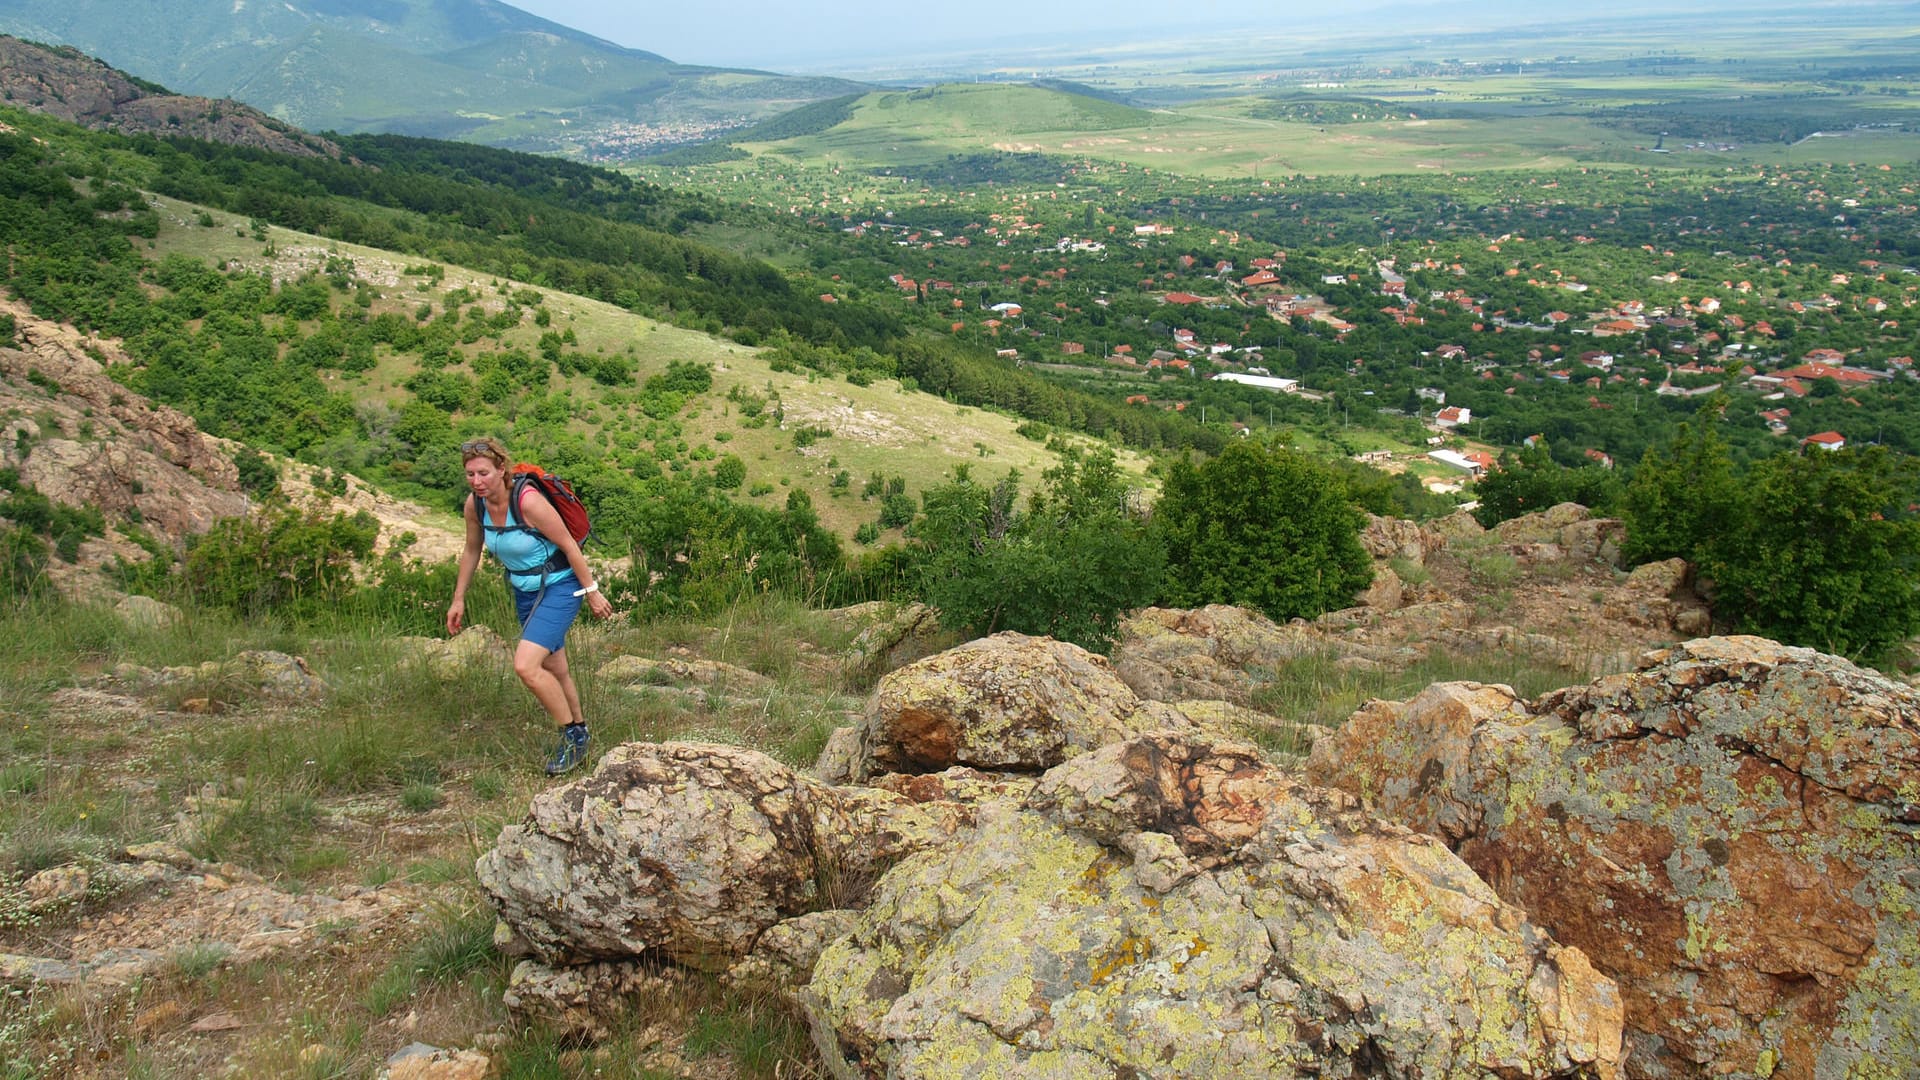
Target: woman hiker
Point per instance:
(548, 576)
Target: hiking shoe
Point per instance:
(572, 751)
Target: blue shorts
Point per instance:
(551, 619)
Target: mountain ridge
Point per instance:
(476, 69)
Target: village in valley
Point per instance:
(1517, 308)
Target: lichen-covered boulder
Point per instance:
(690, 851)
(890, 636)
(1173, 906)
(1406, 757)
(1009, 702)
(1172, 654)
(1730, 832)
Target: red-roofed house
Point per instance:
(1826, 440)
(1827, 371)
(1453, 416)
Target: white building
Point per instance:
(1456, 459)
(1265, 382)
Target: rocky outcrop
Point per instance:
(94, 444)
(1169, 654)
(640, 671)
(1729, 832)
(246, 674)
(80, 438)
(1156, 901)
(891, 636)
(1396, 538)
(475, 647)
(1660, 595)
(1173, 906)
(63, 82)
(166, 901)
(1009, 702)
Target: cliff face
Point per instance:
(65, 83)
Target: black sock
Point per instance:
(572, 728)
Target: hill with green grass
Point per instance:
(794, 463)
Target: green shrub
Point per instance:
(897, 511)
(1069, 565)
(23, 562)
(296, 564)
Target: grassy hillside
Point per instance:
(874, 429)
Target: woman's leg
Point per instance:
(556, 665)
(562, 702)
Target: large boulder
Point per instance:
(1009, 702)
(890, 636)
(1541, 527)
(1729, 832)
(1173, 906)
(1397, 538)
(690, 851)
(1172, 654)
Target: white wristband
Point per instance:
(595, 587)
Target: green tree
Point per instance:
(1069, 565)
(1681, 498)
(1529, 480)
(1261, 526)
(1822, 553)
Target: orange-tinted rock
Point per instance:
(1729, 833)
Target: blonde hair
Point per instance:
(487, 447)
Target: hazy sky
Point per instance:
(786, 35)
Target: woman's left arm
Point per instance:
(536, 511)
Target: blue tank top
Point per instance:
(521, 549)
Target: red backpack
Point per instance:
(558, 492)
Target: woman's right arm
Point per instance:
(469, 559)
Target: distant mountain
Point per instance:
(474, 69)
(63, 82)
